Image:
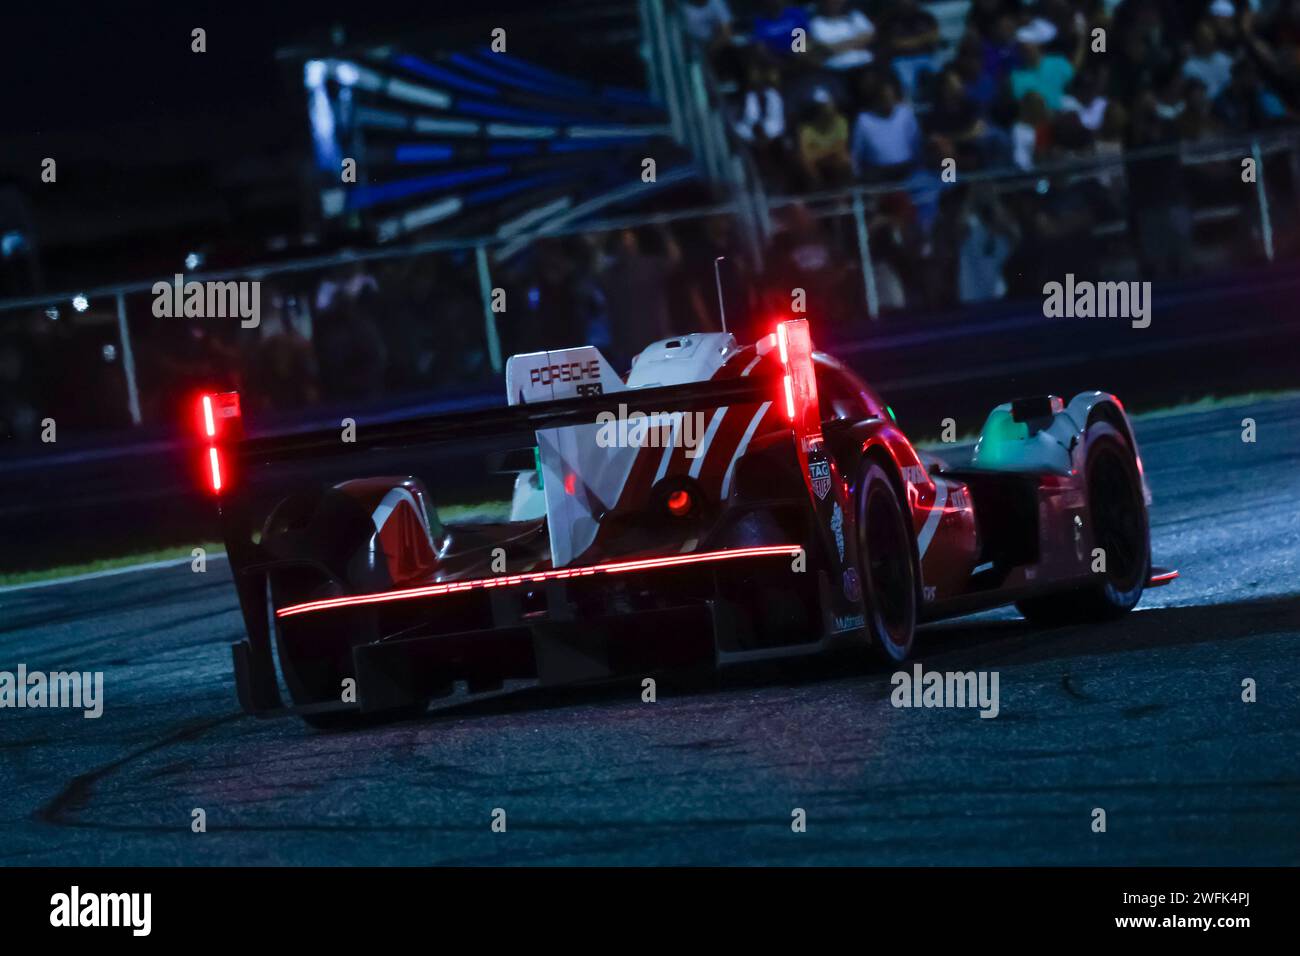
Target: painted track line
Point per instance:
(107, 573)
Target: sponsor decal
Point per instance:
(852, 585)
(819, 471)
(915, 475)
(849, 623)
(567, 372)
(837, 527)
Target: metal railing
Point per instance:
(118, 354)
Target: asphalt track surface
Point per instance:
(1142, 718)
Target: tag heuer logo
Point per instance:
(820, 473)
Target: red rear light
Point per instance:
(679, 503)
(799, 380)
(214, 460)
(209, 421)
(220, 422)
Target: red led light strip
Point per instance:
(209, 423)
(214, 462)
(504, 580)
(783, 341)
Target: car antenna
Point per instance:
(717, 275)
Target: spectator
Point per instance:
(1047, 74)
(925, 184)
(824, 144)
(350, 348)
(886, 135)
(956, 117)
(985, 16)
(1003, 53)
(761, 119)
(1109, 145)
(1159, 212)
(978, 84)
(911, 36)
(988, 236)
(1246, 104)
(774, 28)
(636, 283)
(802, 257)
(282, 369)
(717, 238)
(1279, 62)
(1143, 52)
(558, 317)
(1031, 134)
(895, 251)
(1169, 96)
(707, 22)
(845, 35)
(1086, 98)
(1208, 63)
(1057, 229)
(1283, 27)
(1068, 27)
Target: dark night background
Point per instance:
(160, 148)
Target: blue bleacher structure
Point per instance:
(478, 144)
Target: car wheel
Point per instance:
(1120, 527)
(887, 563)
(315, 656)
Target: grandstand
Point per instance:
(520, 171)
(478, 143)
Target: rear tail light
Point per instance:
(220, 424)
(680, 503)
(214, 463)
(799, 380)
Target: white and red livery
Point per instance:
(720, 501)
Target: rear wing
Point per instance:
(502, 422)
(228, 455)
(226, 452)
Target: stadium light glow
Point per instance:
(347, 73)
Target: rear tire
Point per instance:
(1120, 527)
(315, 655)
(887, 563)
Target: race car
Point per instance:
(720, 503)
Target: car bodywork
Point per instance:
(704, 508)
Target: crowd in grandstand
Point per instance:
(823, 96)
(833, 93)
(829, 93)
